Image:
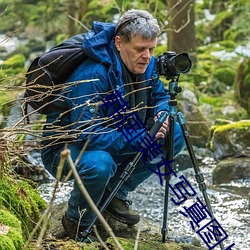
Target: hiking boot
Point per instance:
(121, 211)
(75, 231)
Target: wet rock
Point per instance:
(231, 169)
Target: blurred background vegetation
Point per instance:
(215, 34)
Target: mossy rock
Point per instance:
(22, 200)
(11, 237)
(231, 139)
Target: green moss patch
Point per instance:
(22, 200)
(10, 231)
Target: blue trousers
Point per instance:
(99, 170)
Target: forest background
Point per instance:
(214, 33)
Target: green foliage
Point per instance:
(229, 23)
(221, 23)
(216, 67)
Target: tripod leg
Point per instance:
(198, 175)
(169, 157)
(164, 229)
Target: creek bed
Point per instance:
(230, 203)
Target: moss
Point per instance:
(13, 71)
(235, 125)
(16, 237)
(214, 101)
(21, 199)
(242, 84)
(9, 219)
(6, 243)
(13, 239)
(225, 75)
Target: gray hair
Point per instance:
(137, 22)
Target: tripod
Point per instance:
(173, 90)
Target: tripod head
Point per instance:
(174, 89)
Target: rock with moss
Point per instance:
(11, 237)
(232, 139)
(22, 200)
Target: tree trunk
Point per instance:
(181, 27)
(71, 6)
(83, 7)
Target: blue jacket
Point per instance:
(87, 118)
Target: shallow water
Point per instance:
(230, 204)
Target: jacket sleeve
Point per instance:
(89, 121)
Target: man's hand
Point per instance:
(164, 128)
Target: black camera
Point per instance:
(170, 64)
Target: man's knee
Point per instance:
(97, 164)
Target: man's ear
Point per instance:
(118, 42)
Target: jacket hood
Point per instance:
(98, 43)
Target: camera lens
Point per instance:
(182, 63)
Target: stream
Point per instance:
(230, 204)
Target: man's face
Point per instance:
(137, 53)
